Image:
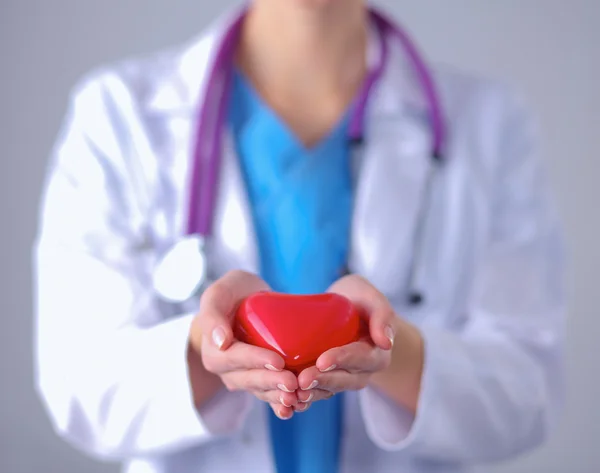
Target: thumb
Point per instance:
(382, 327)
(374, 308)
(215, 316)
(219, 303)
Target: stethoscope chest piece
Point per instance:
(182, 270)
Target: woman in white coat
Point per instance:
(465, 314)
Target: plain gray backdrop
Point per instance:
(549, 48)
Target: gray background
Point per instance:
(549, 48)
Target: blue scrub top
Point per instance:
(301, 203)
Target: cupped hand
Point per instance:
(241, 367)
(351, 367)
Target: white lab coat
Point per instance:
(111, 363)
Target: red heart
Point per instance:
(300, 328)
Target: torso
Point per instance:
(394, 168)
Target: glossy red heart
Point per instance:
(300, 328)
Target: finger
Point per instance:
(240, 356)
(340, 381)
(355, 358)
(302, 407)
(334, 381)
(217, 307)
(313, 395)
(260, 380)
(372, 305)
(308, 378)
(284, 413)
(277, 396)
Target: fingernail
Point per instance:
(301, 407)
(284, 388)
(313, 385)
(310, 397)
(331, 368)
(218, 336)
(282, 417)
(271, 367)
(389, 333)
(283, 402)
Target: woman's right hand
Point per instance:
(241, 367)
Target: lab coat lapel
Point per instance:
(391, 179)
(234, 245)
(182, 88)
(179, 95)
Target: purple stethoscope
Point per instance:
(182, 273)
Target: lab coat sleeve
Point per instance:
(111, 368)
(493, 388)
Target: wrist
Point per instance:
(203, 384)
(401, 381)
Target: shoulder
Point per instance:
(138, 80)
(475, 97)
(171, 77)
(490, 120)
(112, 109)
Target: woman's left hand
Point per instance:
(351, 367)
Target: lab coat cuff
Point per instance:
(225, 414)
(391, 426)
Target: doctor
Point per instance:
(302, 146)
